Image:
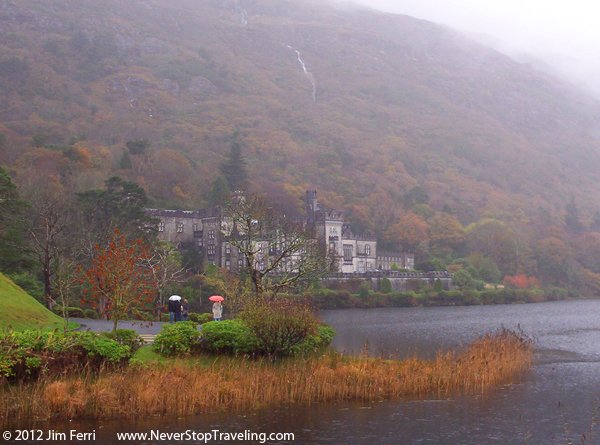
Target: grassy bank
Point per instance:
(19, 311)
(191, 386)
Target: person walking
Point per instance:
(217, 310)
(185, 310)
(174, 308)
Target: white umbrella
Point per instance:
(174, 297)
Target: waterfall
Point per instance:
(242, 12)
(306, 72)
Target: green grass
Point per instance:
(19, 310)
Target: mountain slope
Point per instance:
(400, 103)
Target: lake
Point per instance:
(558, 402)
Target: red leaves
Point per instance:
(117, 282)
(521, 281)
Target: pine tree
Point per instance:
(234, 168)
(14, 249)
(572, 217)
(220, 192)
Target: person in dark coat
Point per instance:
(174, 310)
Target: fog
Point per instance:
(562, 36)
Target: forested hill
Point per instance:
(385, 115)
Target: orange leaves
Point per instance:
(117, 282)
(521, 281)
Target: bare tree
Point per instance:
(166, 267)
(49, 222)
(278, 253)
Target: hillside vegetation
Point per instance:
(426, 139)
(20, 311)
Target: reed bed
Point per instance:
(181, 388)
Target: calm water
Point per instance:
(557, 403)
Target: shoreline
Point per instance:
(217, 383)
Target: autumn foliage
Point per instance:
(117, 284)
(521, 281)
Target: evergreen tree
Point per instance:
(220, 192)
(14, 250)
(572, 217)
(125, 162)
(234, 168)
(121, 205)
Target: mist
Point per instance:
(556, 36)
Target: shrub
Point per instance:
(28, 354)
(201, 318)
(316, 342)
(386, 285)
(279, 324)
(228, 336)
(177, 338)
(90, 313)
(127, 337)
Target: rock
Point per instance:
(201, 87)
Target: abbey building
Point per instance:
(207, 231)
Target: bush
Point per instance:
(201, 318)
(279, 325)
(316, 342)
(127, 337)
(27, 354)
(386, 285)
(177, 338)
(90, 313)
(228, 336)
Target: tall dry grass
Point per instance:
(237, 384)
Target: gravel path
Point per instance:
(141, 327)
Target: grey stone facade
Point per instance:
(208, 231)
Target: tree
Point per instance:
(408, 232)
(278, 253)
(49, 223)
(446, 234)
(118, 283)
(165, 265)
(14, 249)
(234, 168)
(494, 239)
(572, 220)
(220, 192)
(138, 146)
(555, 261)
(120, 205)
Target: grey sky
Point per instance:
(565, 35)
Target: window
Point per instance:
(179, 227)
(348, 253)
(228, 264)
(211, 234)
(227, 250)
(161, 226)
(241, 263)
(368, 250)
(199, 242)
(195, 227)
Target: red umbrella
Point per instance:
(216, 298)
